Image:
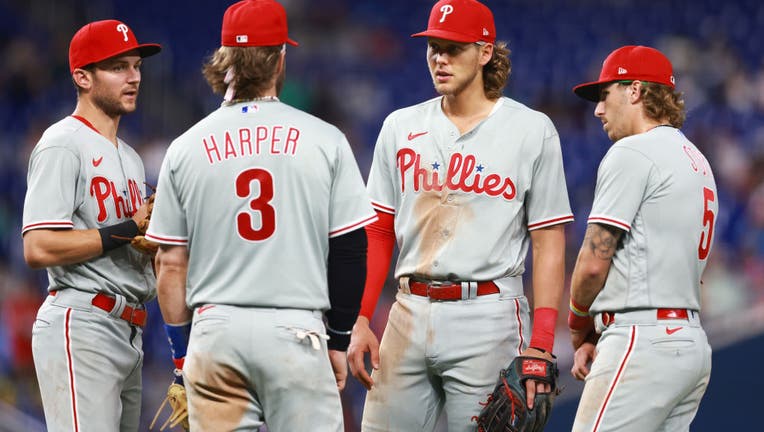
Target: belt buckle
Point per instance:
(433, 285)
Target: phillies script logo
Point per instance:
(106, 194)
(458, 176)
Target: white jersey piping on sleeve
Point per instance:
(383, 208)
(353, 226)
(610, 221)
(170, 240)
(48, 224)
(551, 221)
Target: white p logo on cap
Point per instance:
(123, 29)
(445, 9)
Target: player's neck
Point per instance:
(105, 125)
(646, 124)
(467, 108)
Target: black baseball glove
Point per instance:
(506, 409)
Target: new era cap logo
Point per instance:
(486, 32)
(242, 38)
(622, 71)
(672, 80)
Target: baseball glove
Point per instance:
(176, 397)
(140, 242)
(506, 409)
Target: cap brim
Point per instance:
(589, 91)
(291, 42)
(445, 34)
(148, 50)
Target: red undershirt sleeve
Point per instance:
(381, 238)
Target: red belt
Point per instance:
(449, 290)
(106, 302)
(662, 314)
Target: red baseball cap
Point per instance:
(255, 23)
(460, 21)
(631, 62)
(101, 40)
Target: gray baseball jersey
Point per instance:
(88, 361)
(463, 205)
(659, 188)
(79, 179)
(255, 191)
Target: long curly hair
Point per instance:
(254, 67)
(496, 72)
(662, 102)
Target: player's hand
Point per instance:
(363, 341)
(143, 213)
(532, 386)
(579, 336)
(339, 362)
(582, 358)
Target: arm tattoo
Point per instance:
(603, 240)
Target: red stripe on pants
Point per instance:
(70, 365)
(519, 326)
(625, 360)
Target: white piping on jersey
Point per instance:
(618, 223)
(555, 220)
(383, 208)
(48, 224)
(171, 240)
(353, 225)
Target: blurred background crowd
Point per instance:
(355, 64)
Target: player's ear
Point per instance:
(635, 91)
(486, 52)
(282, 63)
(82, 78)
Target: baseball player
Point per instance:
(84, 197)
(636, 284)
(260, 212)
(462, 182)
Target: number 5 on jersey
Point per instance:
(260, 204)
(708, 224)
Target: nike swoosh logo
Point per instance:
(414, 136)
(205, 307)
(671, 331)
(98, 161)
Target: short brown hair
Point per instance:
(496, 71)
(254, 67)
(662, 103)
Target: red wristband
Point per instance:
(544, 323)
(576, 322)
(578, 309)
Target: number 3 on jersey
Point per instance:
(260, 204)
(708, 224)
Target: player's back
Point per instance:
(665, 252)
(260, 183)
